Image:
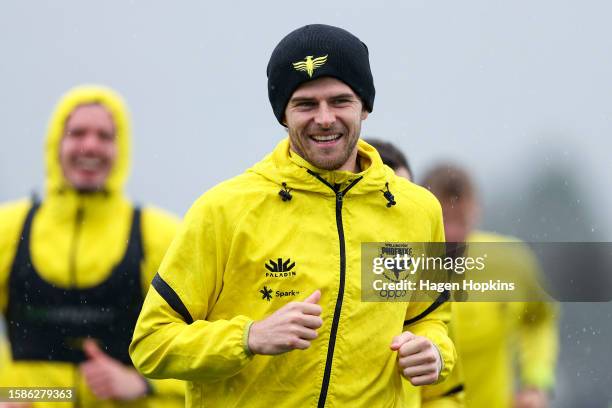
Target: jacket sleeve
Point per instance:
(446, 394)
(172, 338)
(170, 388)
(158, 230)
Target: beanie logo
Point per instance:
(309, 64)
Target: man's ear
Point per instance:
(364, 114)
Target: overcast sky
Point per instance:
(508, 88)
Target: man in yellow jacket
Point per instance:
(258, 300)
(487, 334)
(75, 267)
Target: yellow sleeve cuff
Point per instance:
(245, 338)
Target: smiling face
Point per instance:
(323, 118)
(88, 149)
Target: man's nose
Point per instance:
(90, 142)
(325, 116)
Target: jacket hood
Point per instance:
(285, 166)
(83, 95)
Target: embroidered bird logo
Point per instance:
(309, 64)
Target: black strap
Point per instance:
(444, 296)
(170, 296)
(24, 238)
(455, 390)
(135, 241)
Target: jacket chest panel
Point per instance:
(285, 260)
(88, 249)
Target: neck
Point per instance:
(352, 164)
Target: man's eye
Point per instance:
(342, 101)
(305, 104)
(76, 133)
(106, 136)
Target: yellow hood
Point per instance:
(81, 95)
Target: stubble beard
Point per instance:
(322, 163)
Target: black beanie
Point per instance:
(315, 51)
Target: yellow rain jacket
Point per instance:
(76, 241)
(489, 335)
(270, 236)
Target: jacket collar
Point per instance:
(285, 166)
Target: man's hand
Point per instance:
(108, 378)
(418, 358)
(531, 398)
(291, 327)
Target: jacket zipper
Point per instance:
(76, 234)
(336, 319)
(78, 221)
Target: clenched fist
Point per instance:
(531, 398)
(418, 358)
(108, 378)
(291, 327)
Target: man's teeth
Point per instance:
(88, 163)
(326, 138)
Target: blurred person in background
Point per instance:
(450, 392)
(74, 268)
(392, 157)
(489, 335)
(257, 302)
(485, 333)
